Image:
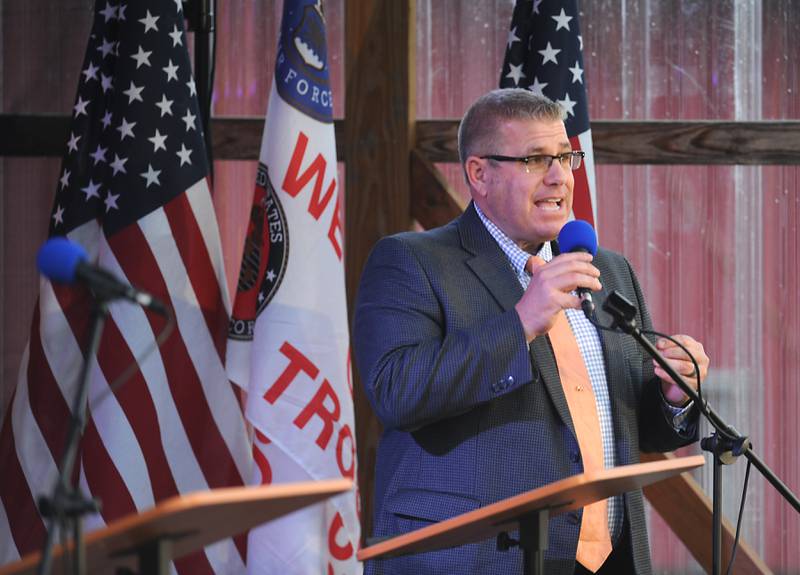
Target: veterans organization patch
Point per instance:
(266, 252)
(301, 70)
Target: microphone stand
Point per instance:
(65, 507)
(726, 444)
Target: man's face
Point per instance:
(529, 206)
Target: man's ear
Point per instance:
(477, 174)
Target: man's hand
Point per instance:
(550, 291)
(681, 363)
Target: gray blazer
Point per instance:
(471, 413)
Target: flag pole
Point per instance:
(201, 17)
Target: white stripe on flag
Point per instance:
(192, 325)
(585, 139)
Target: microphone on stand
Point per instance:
(63, 261)
(579, 236)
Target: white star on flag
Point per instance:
(106, 48)
(158, 141)
(106, 121)
(126, 129)
(105, 82)
(537, 87)
(149, 22)
(562, 20)
(109, 12)
(58, 215)
(64, 178)
(99, 154)
(73, 142)
(141, 57)
(549, 54)
(80, 107)
(189, 119)
(118, 165)
(577, 73)
(515, 73)
(134, 93)
(567, 104)
(176, 36)
(92, 190)
(171, 71)
(164, 105)
(90, 73)
(151, 176)
(512, 37)
(111, 201)
(184, 154)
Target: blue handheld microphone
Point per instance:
(63, 261)
(579, 236)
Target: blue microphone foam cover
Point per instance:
(58, 259)
(577, 235)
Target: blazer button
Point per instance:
(509, 381)
(573, 517)
(575, 456)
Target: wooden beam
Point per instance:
(378, 137)
(234, 138)
(686, 508)
(615, 142)
(657, 142)
(432, 201)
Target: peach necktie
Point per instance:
(594, 542)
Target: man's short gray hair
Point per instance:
(479, 129)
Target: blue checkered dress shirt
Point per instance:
(591, 350)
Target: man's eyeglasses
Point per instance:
(540, 163)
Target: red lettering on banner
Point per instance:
(297, 363)
(336, 226)
(261, 460)
(338, 551)
(294, 182)
(349, 372)
(317, 406)
(345, 433)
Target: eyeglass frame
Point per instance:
(573, 154)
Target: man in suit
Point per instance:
(454, 336)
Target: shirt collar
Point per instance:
(517, 257)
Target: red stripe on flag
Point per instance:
(201, 271)
(27, 527)
(135, 399)
(581, 198)
(140, 267)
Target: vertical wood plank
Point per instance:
(379, 134)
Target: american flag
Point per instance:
(133, 192)
(544, 55)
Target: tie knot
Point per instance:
(533, 263)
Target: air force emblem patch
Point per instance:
(301, 71)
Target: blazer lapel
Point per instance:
(488, 262)
(491, 266)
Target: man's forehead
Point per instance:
(534, 134)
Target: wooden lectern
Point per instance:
(529, 512)
(180, 525)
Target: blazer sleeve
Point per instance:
(415, 368)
